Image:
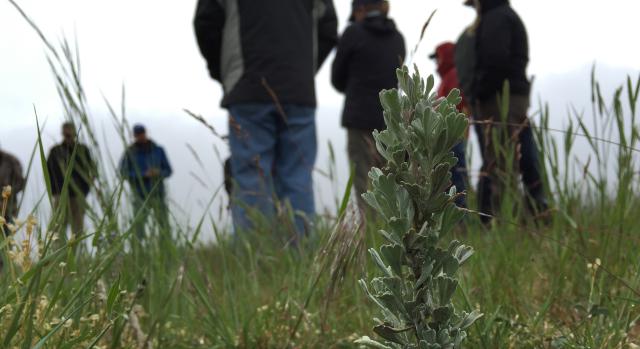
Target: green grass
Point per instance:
(539, 286)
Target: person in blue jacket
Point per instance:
(145, 166)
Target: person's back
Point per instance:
(502, 51)
(267, 49)
(502, 56)
(266, 54)
(11, 175)
(369, 53)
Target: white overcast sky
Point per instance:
(149, 47)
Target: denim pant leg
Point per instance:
(252, 139)
(459, 176)
(296, 152)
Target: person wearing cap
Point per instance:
(369, 52)
(444, 57)
(145, 166)
(69, 199)
(10, 176)
(265, 54)
(491, 52)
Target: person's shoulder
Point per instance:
(55, 149)
(157, 147)
(354, 29)
(10, 157)
(84, 148)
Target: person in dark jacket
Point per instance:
(368, 54)
(444, 57)
(10, 176)
(74, 158)
(265, 54)
(145, 166)
(492, 51)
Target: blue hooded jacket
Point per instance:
(140, 158)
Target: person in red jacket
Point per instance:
(444, 57)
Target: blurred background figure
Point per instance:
(265, 54)
(444, 57)
(69, 199)
(368, 54)
(145, 166)
(493, 50)
(10, 175)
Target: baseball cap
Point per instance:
(139, 129)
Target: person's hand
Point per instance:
(152, 173)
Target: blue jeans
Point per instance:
(459, 174)
(272, 160)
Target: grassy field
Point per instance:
(573, 282)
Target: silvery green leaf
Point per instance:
(469, 319)
(450, 266)
(446, 288)
(463, 253)
(366, 341)
(391, 334)
(442, 315)
(394, 255)
(380, 263)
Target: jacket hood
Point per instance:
(379, 25)
(445, 55)
(488, 5)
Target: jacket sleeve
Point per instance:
(165, 166)
(127, 171)
(340, 67)
(91, 167)
(53, 167)
(19, 180)
(209, 25)
(327, 31)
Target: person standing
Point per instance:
(145, 166)
(490, 52)
(444, 56)
(73, 159)
(368, 54)
(10, 176)
(265, 54)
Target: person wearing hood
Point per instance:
(73, 156)
(369, 52)
(491, 54)
(145, 166)
(444, 57)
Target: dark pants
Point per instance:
(459, 174)
(73, 213)
(517, 134)
(363, 155)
